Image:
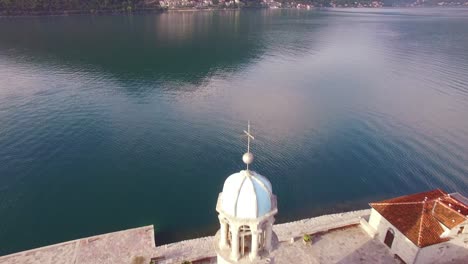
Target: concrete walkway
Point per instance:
(337, 238)
(112, 248)
(348, 245)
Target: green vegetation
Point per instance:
(307, 238)
(47, 7)
(18, 7)
(186, 262)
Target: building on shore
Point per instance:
(428, 227)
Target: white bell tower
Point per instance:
(246, 208)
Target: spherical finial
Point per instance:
(248, 158)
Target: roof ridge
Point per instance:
(237, 196)
(421, 223)
(456, 200)
(255, 197)
(396, 203)
(455, 197)
(262, 184)
(431, 192)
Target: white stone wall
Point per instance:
(401, 246)
(367, 228)
(456, 229)
(465, 227)
(453, 251)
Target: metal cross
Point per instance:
(249, 136)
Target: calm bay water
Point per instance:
(114, 122)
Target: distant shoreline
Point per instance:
(6, 14)
(78, 12)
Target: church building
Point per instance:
(428, 227)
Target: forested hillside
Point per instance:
(72, 6)
(45, 7)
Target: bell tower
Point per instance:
(246, 208)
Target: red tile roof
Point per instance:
(418, 216)
(446, 215)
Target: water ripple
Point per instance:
(346, 107)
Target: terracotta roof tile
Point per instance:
(446, 215)
(455, 204)
(413, 215)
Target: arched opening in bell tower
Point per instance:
(245, 239)
(229, 235)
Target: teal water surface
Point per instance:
(114, 122)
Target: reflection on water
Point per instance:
(169, 47)
(111, 122)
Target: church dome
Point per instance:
(247, 195)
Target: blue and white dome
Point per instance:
(246, 195)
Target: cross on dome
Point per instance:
(248, 157)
